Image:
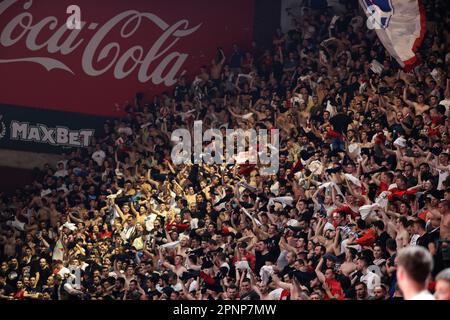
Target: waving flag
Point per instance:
(400, 26)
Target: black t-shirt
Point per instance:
(44, 273)
(261, 259)
(411, 182)
(340, 122)
(12, 276)
(304, 278)
(198, 214)
(118, 294)
(306, 215)
(273, 244)
(29, 268)
(424, 240)
(286, 270)
(214, 215)
(396, 129)
(32, 290)
(252, 295)
(6, 289)
(151, 294)
(351, 89)
(381, 240)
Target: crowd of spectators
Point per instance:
(363, 172)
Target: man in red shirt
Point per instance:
(368, 235)
(330, 284)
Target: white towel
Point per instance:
(248, 187)
(352, 179)
(332, 184)
(251, 217)
(376, 67)
(392, 186)
(170, 245)
(70, 226)
(288, 200)
(401, 142)
(354, 149)
(46, 192)
(382, 199)
(367, 210)
(16, 224)
(265, 272)
(194, 223)
(316, 167)
(331, 109)
(275, 188)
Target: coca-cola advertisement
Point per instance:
(89, 56)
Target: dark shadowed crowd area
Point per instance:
(363, 172)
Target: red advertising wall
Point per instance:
(124, 47)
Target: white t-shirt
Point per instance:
(423, 295)
(58, 251)
(61, 173)
(127, 130)
(414, 238)
(371, 280)
(278, 294)
(442, 176)
(149, 221)
(99, 156)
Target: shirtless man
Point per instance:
(216, 66)
(445, 220)
(435, 217)
(444, 231)
(348, 266)
(44, 214)
(402, 237)
(178, 267)
(420, 106)
(54, 215)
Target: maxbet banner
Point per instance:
(119, 48)
(46, 131)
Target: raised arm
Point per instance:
(318, 271)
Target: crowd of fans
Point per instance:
(363, 172)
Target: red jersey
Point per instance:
(335, 288)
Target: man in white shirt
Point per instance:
(368, 277)
(61, 172)
(414, 265)
(99, 155)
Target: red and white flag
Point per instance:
(400, 26)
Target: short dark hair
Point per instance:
(417, 262)
(391, 244)
(359, 283)
(232, 286)
(134, 281)
(379, 225)
(421, 223)
(365, 259)
(403, 221)
(361, 224)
